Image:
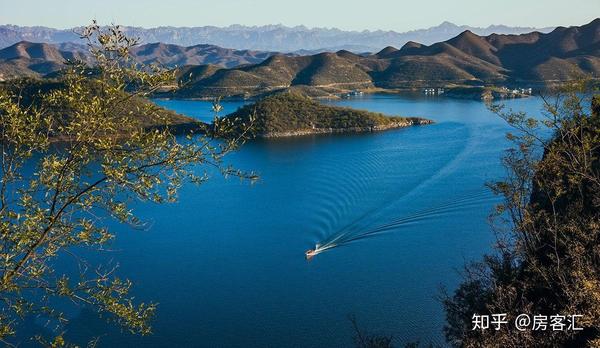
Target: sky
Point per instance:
(398, 15)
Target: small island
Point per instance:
(291, 114)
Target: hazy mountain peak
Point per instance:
(468, 56)
(446, 24)
(268, 37)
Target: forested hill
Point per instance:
(291, 114)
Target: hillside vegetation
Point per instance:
(547, 258)
(145, 114)
(289, 114)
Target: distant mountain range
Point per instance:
(534, 58)
(35, 59)
(38, 59)
(266, 38)
(467, 59)
(170, 55)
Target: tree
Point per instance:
(366, 340)
(75, 152)
(548, 226)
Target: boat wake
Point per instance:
(349, 234)
(359, 228)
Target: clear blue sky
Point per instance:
(344, 14)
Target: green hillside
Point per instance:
(145, 114)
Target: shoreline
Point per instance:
(351, 130)
(482, 93)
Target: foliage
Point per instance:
(548, 228)
(285, 112)
(55, 198)
(366, 340)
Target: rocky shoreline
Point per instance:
(482, 93)
(375, 128)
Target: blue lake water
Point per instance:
(226, 263)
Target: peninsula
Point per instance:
(142, 111)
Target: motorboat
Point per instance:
(310, 253)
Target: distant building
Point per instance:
(433, 91)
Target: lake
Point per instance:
(226, 263)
